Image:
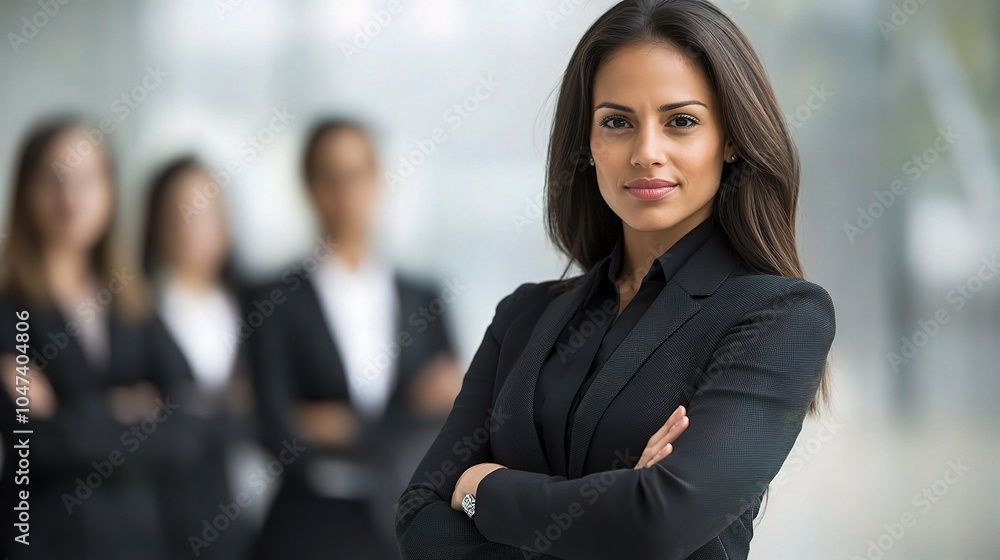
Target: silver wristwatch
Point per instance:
(469, 504)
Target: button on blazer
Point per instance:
(744, 351)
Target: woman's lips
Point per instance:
(650, 189)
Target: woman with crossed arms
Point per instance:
(673, 182)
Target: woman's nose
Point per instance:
(650, 149)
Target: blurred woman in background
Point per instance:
(355, 360)
(100, 381)
(186, 253)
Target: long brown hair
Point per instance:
(22, 273)
(166, 178)
(758, 194)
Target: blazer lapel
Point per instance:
(700, 275)
(671, 308)
(74, 352)
(313, 316)
(515, 401)
(405, 367)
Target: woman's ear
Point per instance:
(730, 154)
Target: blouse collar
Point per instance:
(671, 260)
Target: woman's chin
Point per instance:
(652, 219)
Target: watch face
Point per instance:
(469, 504)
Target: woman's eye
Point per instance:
(685, 121)
(621, 122)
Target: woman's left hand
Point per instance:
(468, 483)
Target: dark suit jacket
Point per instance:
(83, 441)
(191, 491)
(295, 358)
(742, 350)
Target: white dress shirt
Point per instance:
(361, 308)
(94, 336)
(202, 324)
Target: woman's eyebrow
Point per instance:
(663, 108)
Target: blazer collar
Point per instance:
(670, 260)
(699, 276)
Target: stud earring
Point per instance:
(591, 161)
(732, 158)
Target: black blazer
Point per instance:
(294, 358)
(119, 518)
(191, 490)
(743, 351)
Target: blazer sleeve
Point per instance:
(83, 428)
(186, 438)
(426, 526)
(271, 375)
(746, 414)
(442, 339)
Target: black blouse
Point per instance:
(592, 335)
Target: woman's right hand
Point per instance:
(660, 444)
(326, 423)
(43, 397)
(132, 403)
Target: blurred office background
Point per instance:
(894, 107)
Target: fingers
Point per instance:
(678, 413)
(326, 422)
(435, 392)
(651, 447)
(667, 449)
(654, 452)
(660, 444)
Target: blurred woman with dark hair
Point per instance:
(99, 380)
(186, 255)
(354, 365)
